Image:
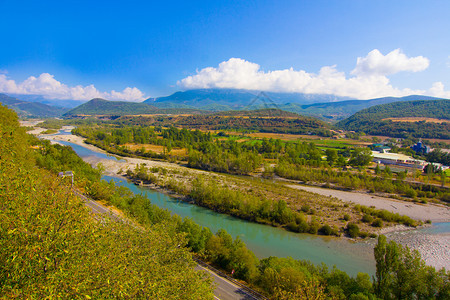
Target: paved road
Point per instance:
(225, 289)
(97, 208)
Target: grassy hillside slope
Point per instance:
(52, 247)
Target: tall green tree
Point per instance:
(402, 274)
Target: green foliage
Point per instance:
(239, 204)
(367, 218)
(385, 215)
(104, 107)
(361, 157)
(352, 230)
(439, 156)
(373, 120)
(377, 223)
(326, 230)
(357, 180)
(53, 248)
(401, 274)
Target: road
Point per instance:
(225, 289)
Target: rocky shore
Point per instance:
(433, 247)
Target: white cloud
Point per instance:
(369, 78)
(437, 90)
(47, 86)
(395, 61)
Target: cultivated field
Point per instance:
(410, 119)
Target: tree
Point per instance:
(402, 274)
(332, 156)
(377, 170)
(361, 157)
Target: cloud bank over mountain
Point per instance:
(369, 78)
(50, 88)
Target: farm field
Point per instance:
(417, 119)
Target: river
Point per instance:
(263, 240)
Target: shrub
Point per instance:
(292, 226)
(352, 230)
(411, 193)
(367, 218)
(346, 217)
(305, 208)
(326, 230)
(363, 234)
(377, 223)
(313, 227)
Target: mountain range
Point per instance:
(325, 107)
(31, 109)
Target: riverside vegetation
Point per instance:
(226, 153)
(52, 247)
(296, 160)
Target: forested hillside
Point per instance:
(376, 120)
(343, 109)
(264, 120)
(99, 106)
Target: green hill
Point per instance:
(31, 109)
(376, 120)
(339, 110)
(99, 106)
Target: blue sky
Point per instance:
(132, 50)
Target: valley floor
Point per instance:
(434, 247)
